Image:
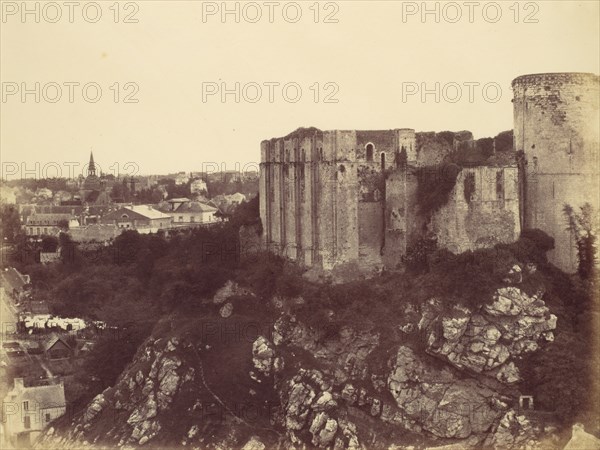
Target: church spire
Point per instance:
(91, 166)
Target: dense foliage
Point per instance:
(142, 282)
(582, 227)
(435, 183)
(10, 223)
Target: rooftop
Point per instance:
(148, 211)
(47, 396)
(49, 218)
(15, 279)
(196, 207)
(53, 340)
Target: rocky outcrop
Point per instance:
(346, 351)
(439, 402)
(140, 400)
(443, 379)
(262, 355)
(488, 340)
(514, 432)
(230, 289)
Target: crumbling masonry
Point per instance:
(329, 198)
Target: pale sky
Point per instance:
(370, 56)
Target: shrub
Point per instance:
(435, 183)
(417, 255)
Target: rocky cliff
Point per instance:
(253, 375)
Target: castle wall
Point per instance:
(431, 149)
(322, 199)
(335, 197)
(396, 218)
(489, 216)
(403, 224)
(557, 120)
(337, 206)
(326, 202)
(370, 233)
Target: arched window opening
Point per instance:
(382, 161)
(370, 152)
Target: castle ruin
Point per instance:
(329, 198)
(556, 126)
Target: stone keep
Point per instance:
(556, 126)
(322, 193)
(328, 198)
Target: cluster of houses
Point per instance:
(95, 214)
(109, 223)
(41, 360)
(35, 314)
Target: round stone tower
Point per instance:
(556, 125)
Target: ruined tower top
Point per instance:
(554, 78)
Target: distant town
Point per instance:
(42, 352)
(98, 207)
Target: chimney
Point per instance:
(19, 384)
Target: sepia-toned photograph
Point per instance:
(296, 225)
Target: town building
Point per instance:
(49, 224)
(16, 284)
(57, 348)
(181, 178)
(143, 218)
(198, 187)
(228, 203)
(93, 189)
(95, 232)
(188, 213)
(29, 409)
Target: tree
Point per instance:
(583, 227)
(10, 223)
(49, 244)
(68, 250)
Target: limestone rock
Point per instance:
(94, 408)
(323, 429)
(300, 399)
(513, 432)
(226, 310)
(143, 412)
(445, 405)
(254, 444)
(486, 340)
(229, 289)
(262, 355)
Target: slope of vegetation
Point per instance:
(141, 283)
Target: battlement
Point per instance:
(556, 78)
